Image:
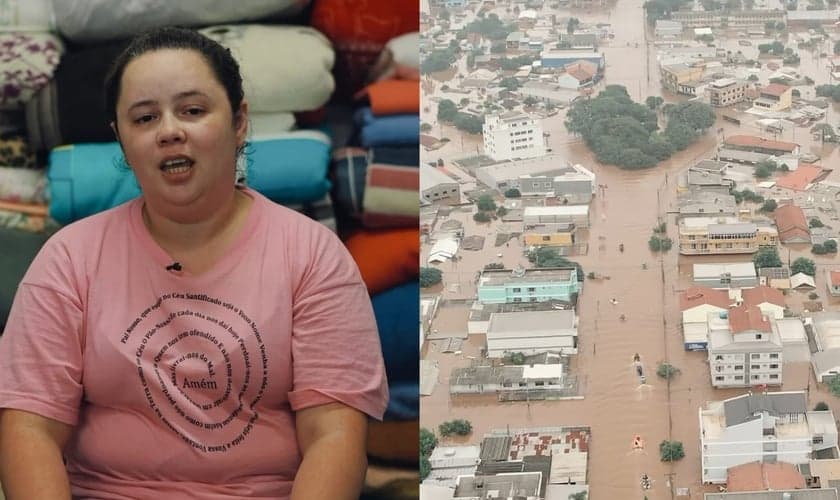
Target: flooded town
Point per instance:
(629, 220)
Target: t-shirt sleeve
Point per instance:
(41, 347)
(336, 351)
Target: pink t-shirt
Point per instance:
(185, 386)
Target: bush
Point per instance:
(813, 296)
(459, 426)
(670, 451)
(815, 223)
(830, 246)
(425, 468)
(428, 441)
(666, 244)
(834, 386)
(821, 406)
(481, 217)
(818, 249)
(430, 276)
(769, 206)
(516, 358)
(513, 193)
(501, 211)
(425, 127)
(494, 265)
(667, 370)
(486, 203)
(655, 244)
(803, 265)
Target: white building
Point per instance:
(513, 135)
(666, 27)
(826, 328)
(764, 427)
(562, 214)
(744, 350)
(532, 333)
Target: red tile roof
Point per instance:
(775, 89)
(835, 278)
(800, 178)
(761, 294)
(790, 220)
(700, 295)
(754, 141)
(581, 70)
(746, 318)
(757, 476)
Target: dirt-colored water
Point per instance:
(614, 405)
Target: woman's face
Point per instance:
(178, 132)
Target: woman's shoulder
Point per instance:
(84, 235)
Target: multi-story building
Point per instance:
(560, 214)
(764, 427)
(774, 97)
(697, 19)
(513, 135)
(744, 350)
(530, 333)
(731, 19)
(673, 75)
(726, 92)
(560, 58)
(549, 235)
(435, 186)
(755, 144)
(487, 379)
(724, 276)
(496, 286)
(723, 235)
(665, 27)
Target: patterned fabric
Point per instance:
(22, 185)
(15, 152)
(27, 62)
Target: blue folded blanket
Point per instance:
(287, 168)
(398, 320)
(391, 130)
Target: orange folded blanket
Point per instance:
(386, 258)
(392, 97)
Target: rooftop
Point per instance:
(496, 277)
(757, 476)
(701, 295)
(535, 323)
(822, 494)
(801, 178)
(737, 269)
(748, 318)
(754, 141)
(742, 408)
(761, 294)
(775, 89)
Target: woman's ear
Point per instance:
(240, 122)
(116, 132)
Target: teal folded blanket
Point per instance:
(85, 179)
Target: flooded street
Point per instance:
(615, 406)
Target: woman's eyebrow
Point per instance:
(178, 96)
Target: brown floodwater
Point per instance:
(615, 406)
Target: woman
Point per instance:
(198, 341)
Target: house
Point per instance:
(726, 92)
(801, 178)
(792, 225)
(760, 476)
(770, 301)
(755, 144)
(825, 328)
(699, 203)
(722, 235)
(578, 75)
(833, 282)
(794, 340)
(774, 97)
(667, 28)
(554, 58)
(808, 18)
(725, 275)
(449, 462)
(549, 93)
(532, 333)
(513, 135)
(775, 277)
(706, 176)
(436, 186)
(807, 494)
(696, 304)
(561, 214)
(547, 176)
(578, 41)
(764, 427)
(743, 349)
(801, 281)
(514, 40)
(487, 379)
(672, 75)
(496, 286)
(549, 235)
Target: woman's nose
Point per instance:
(170, 130)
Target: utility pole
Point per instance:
(669, 480)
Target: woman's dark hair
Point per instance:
(219, 58)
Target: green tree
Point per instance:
(753, 78)
(768, 206)
(655, 244)
(580, 495)
(517, 358)
(834, 385)
(501, 211)
(549, 257)
(428, 442)
(498, 48)
(837, 47)
(767, 257)
(654, 101)
(430, 276)
(697, 115)
(814, 222)
(494, 265)
(425, 468)
(468, 123)
(572, 25)
(762, 172)
(425, 127)
(458, 426)
(485, 203)
(803, 265)
(481, 217)
(509, 83)
(513, 193)
(825, 131)
(438, 60)
(818, 249)
(821, 406)
(447, 111)
(530, 100)
(680, 135)
(830, 246)
(670, 451)
(667, 371)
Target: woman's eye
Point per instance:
(144, 119)
(194, 111)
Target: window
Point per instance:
(517, 299)
(739, 377)
(754, 367)
(739, 367)
(517, 290)
(774, 356)
(774, 366)
(757, 336)
(817, 440)
(755, 356)
(719, 378)
(718, 358)
(546, 238)
(774, 376)
(531, 289)
(539, 383)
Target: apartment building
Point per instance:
(774, 97)
(498, 286)
(513, 135)
(764, 427)
(726, 92)
(673, 75)
(744, 350)
(723, 235)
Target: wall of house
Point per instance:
(528, 292)
(560, 343)
(550, 240)
(700, 314)
(737, 445)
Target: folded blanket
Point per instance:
(400, 59)
(98, 20)
(25, 185)
(383, 270)
(10, 219)
(391, 196)
(15, 151)
(348, 172)
(19, 248)
(287, 168)
(29, 59)
(393, 130)
(397, 318)
(284, 68)
(392, 97)
(408, 155)
(27, 15)
(268, 124)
